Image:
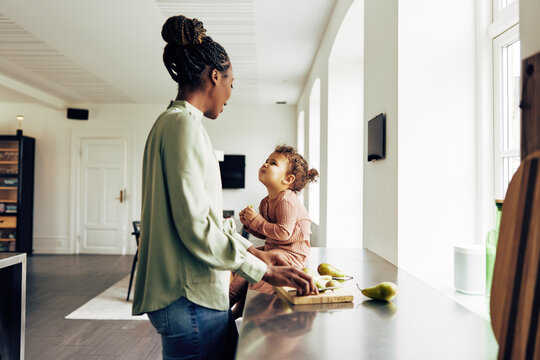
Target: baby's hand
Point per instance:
(247, 215)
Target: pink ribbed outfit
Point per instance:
(285, 225)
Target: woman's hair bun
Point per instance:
(180, 30)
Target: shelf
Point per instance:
(17, 160)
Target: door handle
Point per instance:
(122, 196)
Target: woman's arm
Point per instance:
(185, 154)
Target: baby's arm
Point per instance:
(250, 213)
(254, 233)
(286, 215)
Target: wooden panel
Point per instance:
(335, 296)
(515, 294)
(530, 106)
(8, 222)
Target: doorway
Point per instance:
(101, 193)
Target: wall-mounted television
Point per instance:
(377, 138)
(233, 169)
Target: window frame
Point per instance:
(314, 149)
(300, 133)
(500, 176)
(502, 12)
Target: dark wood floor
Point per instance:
(58, 285)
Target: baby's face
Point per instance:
(274, 170)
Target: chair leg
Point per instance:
(132, 273)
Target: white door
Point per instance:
(102, 202)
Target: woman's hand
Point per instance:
(289, 276)
(269, 257)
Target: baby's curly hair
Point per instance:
(298, 167)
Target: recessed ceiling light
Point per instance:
(281, 102)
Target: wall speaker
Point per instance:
(77, 114)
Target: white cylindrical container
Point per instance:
(470, 269)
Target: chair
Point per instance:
(137, 233)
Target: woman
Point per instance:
(186, 249)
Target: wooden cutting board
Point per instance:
(515, 293)
(335, 296)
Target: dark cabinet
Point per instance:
(17, 153)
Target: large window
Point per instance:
(506, 86)
(300, 134)
(314, 148)
(501, 9)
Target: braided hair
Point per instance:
(189, 51)
(298, 167)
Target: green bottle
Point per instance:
(491, 247)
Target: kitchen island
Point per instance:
(420, 323)
(12, 305)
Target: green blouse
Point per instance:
(186, 247)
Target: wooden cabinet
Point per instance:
(17, 154)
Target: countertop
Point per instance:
(420, 323)
(8, 259)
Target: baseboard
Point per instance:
(51, 245)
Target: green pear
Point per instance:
(384, 291)
(309, 271)
(320, 281)
(328, 269)
(333, 283)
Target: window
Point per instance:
(507, 115)
(300, 134)
(314, 148)
(504, 9)
(505, 3)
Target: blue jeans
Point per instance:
(191, 331)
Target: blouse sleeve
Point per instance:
(184, 163)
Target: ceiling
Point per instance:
(109, 51)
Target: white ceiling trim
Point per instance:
(25, 51)
(32, 92)
(232, 25)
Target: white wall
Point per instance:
(249, 130)
(381, 96)
(319, 70)
(346, 132)
(253, 131)
(529, 13)
(437, 205)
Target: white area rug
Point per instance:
(109, 305)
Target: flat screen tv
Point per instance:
(377, 138)
(232, 170)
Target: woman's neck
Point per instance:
(195, 98)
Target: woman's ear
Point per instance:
(215, 76)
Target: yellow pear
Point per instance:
(320, 281)
(309, 271)
(328, 269)
(384, 291)
(333, 283)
